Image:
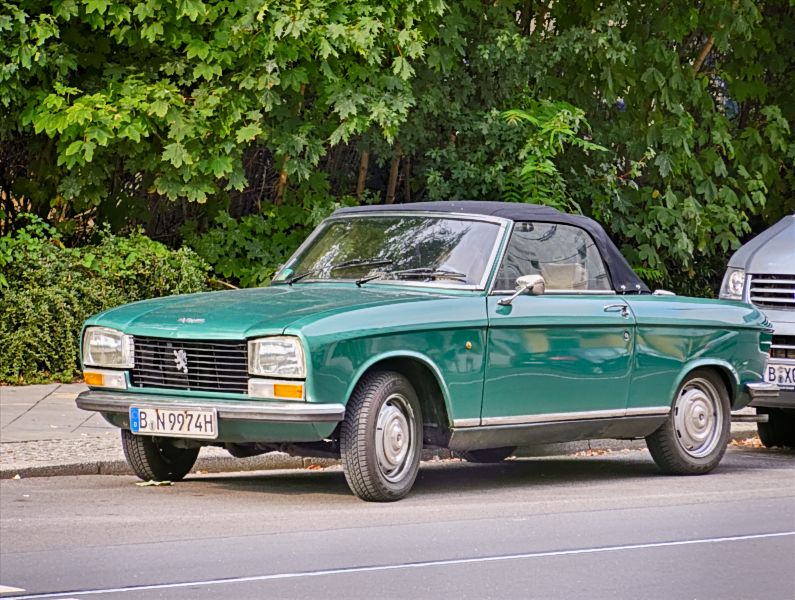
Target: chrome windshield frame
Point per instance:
(504, 227)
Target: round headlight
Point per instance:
(733, 284)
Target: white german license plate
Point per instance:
(180, 422)
(781, 373)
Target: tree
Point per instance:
(693, 103)
(106, 101)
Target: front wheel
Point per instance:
(694, 436)
(779, 429)
(381, 437)
(157, 458)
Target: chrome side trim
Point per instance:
(251, 410)
(576, 416)
(650, 411)
(466, 422)
(763, 390)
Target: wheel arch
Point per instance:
(724, 369)
(427, 380)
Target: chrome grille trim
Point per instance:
(773, 291)
(783, 346)
(213, 366)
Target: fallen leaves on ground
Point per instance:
(603, 451)
(751, 442)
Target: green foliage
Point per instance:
(692, 104)
(110, 105)
(512, 155)
(249, 250)
(165, 97)
(48, 290)
(554, 128)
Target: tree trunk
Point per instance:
(407, 180)
(364, 163)
(394, 171)
(703, 54)
(281, 186)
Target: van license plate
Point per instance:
(781, 374)
(182, 422)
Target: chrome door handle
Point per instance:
(622, 308)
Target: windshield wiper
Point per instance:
(356, 262)
(429, 273)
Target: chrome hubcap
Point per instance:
(698, 418)
(394, 441)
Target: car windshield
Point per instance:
(415, 249)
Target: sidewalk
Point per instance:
(43, 433)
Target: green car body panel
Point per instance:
(530, 358)
(541, 358)
(676, 335)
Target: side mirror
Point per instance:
(533, 284)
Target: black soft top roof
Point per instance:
(623, 278)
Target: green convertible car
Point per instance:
(473, 326)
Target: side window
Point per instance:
(564, 255)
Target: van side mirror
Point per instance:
(532, 284)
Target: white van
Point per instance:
(762, 272)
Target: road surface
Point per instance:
(561, 527)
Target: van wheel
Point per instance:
(694, 436)
(779, 429)
(157, 458)
(381, 437)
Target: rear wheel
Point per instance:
(487, 455)
(779, 429)
(157, 458)
(381, 437)
(694, 436)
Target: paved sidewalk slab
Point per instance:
(47, 412)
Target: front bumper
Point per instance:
(237, 410)
(771, 396)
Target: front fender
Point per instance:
(407, 354)
(726, 369)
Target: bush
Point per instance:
(249, 250)
(48, 290)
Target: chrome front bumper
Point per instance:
(762, 390)
(236, 410)
(770, 395)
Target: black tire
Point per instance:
(381, 437)
(779, 429)
(694, 436)
(157, 458)
(487, 455)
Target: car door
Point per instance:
(562, 355)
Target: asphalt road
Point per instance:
(564, 527)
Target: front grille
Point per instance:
(212, 366)
(783, 346)
(773, 291)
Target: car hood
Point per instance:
(770, 252)
(248, 313)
